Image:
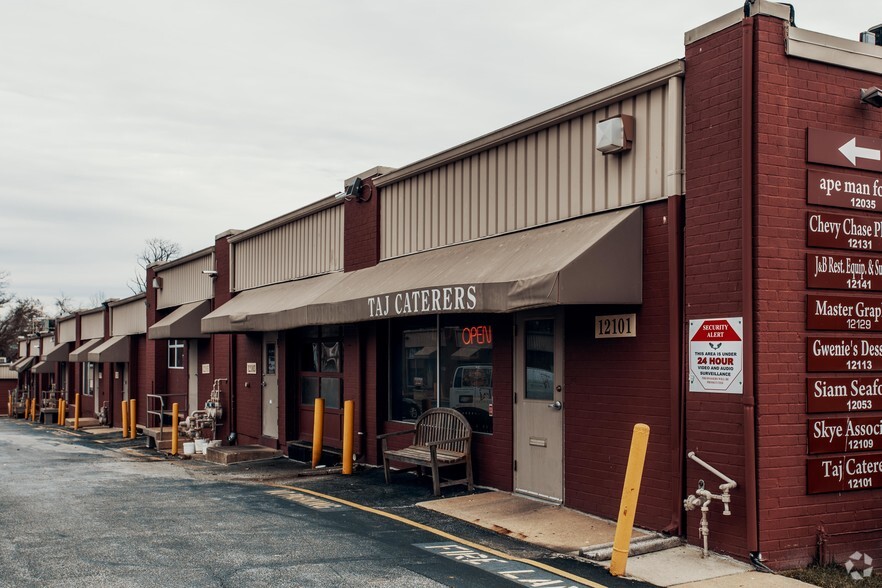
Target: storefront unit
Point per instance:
(66, 329)
(8, 382)
(179, 359)
(90, 380)
(474, 280)
(122, 354)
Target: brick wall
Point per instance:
(612, 384)
(713, 262)
(248, 399)
(792, 95)
(361, 236)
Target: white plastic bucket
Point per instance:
(189, 448)
(201, 446)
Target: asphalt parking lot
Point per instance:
(84, 510)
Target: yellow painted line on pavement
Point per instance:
(466, 542)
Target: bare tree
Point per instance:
(17, 317)
(64, 305)
(156, 249)
(97, 299)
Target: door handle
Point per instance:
(556, 405)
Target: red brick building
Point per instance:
(694, 248)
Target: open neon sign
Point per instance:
(478, 335)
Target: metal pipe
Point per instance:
(748, 399)
(676, 336)
(630, 493)
(348, 410)
(133, 419)
(729, 481)
(318, 431)
(174, 439)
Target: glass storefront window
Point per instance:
(321, 366)
(442, 361)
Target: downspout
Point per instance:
(675, 355)
(748, 34)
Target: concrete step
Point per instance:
(164, 435)
(84, 422)
(239, 453)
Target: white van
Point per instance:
(472, 387)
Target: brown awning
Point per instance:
(59, 352)
(115, 349)
(271, 308)
(595, 259)
(44, 367)
(24, 363)
(81, 353)
(182, 323)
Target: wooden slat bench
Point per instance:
(441, 437)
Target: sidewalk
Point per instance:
(555, 528)
(572, 532)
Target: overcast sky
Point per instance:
(124, 120)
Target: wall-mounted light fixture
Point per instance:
(157, 282)
(357, 190)
(615, 134)
(210, 273)
(872, 96)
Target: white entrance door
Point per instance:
(539, 405)
(270, 385)
(124, 377)
(193, 378)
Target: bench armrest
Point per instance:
(453, 440)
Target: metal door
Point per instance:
(270, 386)
(124, 377)
(539, 405)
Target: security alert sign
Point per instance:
(716, 350)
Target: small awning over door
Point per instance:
(595, 259)
(44, 367)
(81, 353)
(59, 352)
(24, 363)
(115, 349)
(182, 323)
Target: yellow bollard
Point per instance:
(125, 419)
(61, 410)
(133, 416)
(77, 411)
(348, 409)
(630, 493)
(174, 447)
(318, 430)
(33, 409)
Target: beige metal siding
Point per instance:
(35, 347)
(129, 319)
(23, 349)
(47, 344)
(92, 326)
(548, 175)
(186, 283)
(67, 331)
(308, 246)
